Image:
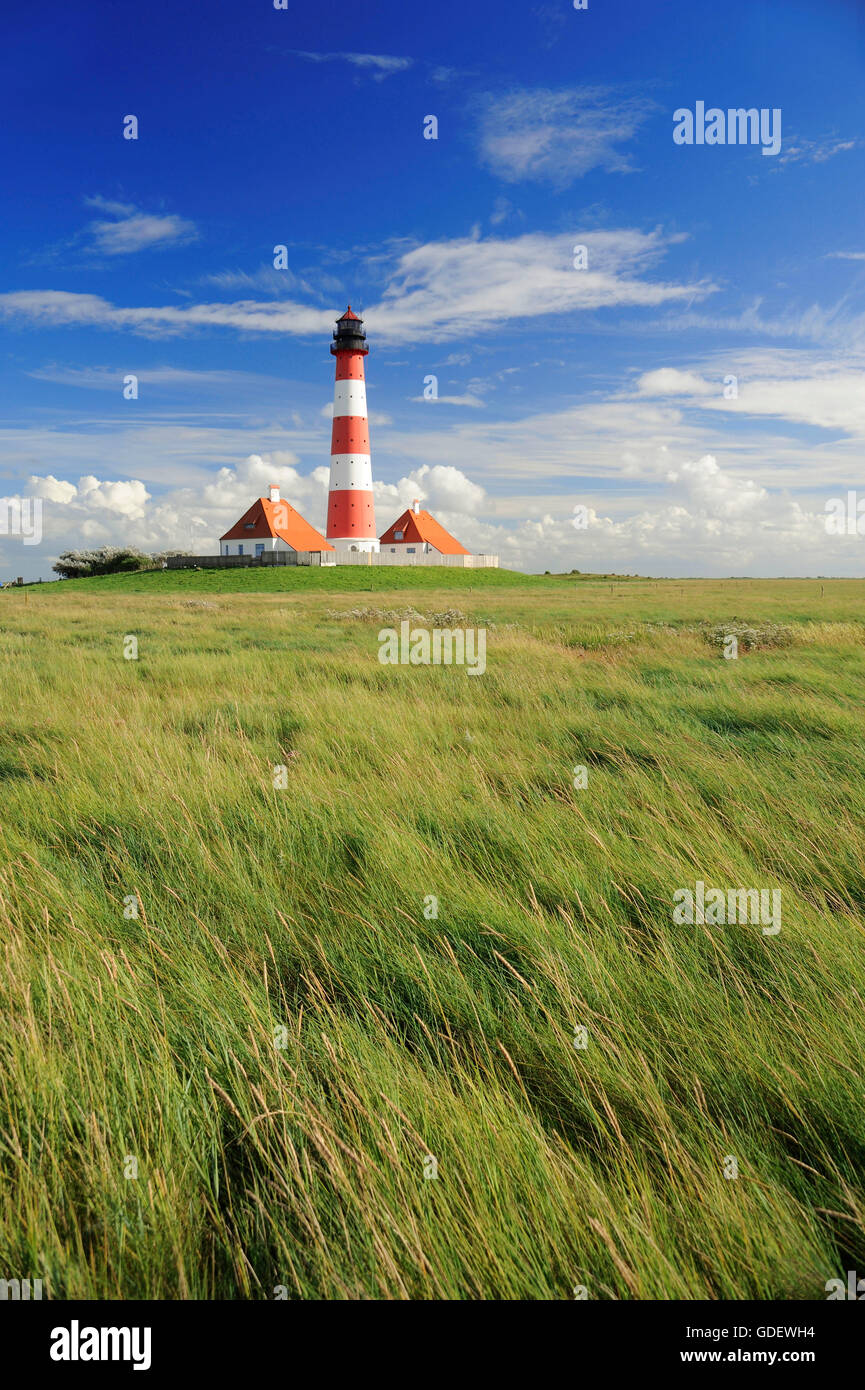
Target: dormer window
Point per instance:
(398, 535)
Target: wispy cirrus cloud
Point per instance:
(63, 307)
(796, 387)
(556, 137)
(110, 379)
(379, 65)
(466, 399)
(815, 151)
(471, 285)
(437, 291)
(129, 229)
(837, 326)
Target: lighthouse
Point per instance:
(350, 512)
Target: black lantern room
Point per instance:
(349, 335)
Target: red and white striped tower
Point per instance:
(350, 512)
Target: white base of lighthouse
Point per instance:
(350, 543)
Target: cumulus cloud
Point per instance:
(124, 512)
(706, 522)
(443, 486)
(702, 518)
(52, 489)
(125, 499)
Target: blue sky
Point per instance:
(558, 387)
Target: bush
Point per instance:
(110, 559)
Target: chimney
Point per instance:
(274, 492)
(415, 506)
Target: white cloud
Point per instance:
(127, 499)
(706, 522)
(62, 307)
(52, 489)
(826, 394)
(814, 151)
(125, 512)
(445, 289)
(466, 399)
(381, 65)
(111, 379)
(833, 327)
(438, 291)
(503, 208)
(133, 230)
(558, 136)
(699, 518)
(668, 381)
(443, 486)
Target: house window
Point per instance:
(409, 550)
(393, 550)
(249, 526)
(240, 550)
(398, 535)
(259, 549)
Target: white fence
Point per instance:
(383, 557)
(328, 557)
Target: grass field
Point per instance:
(236, 988)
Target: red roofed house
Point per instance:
(271, 524)
(418, 533)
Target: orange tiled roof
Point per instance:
(420, 526)
(266, 519)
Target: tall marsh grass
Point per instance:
(247, 991)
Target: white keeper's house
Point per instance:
(271, 524)
(416, 532)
